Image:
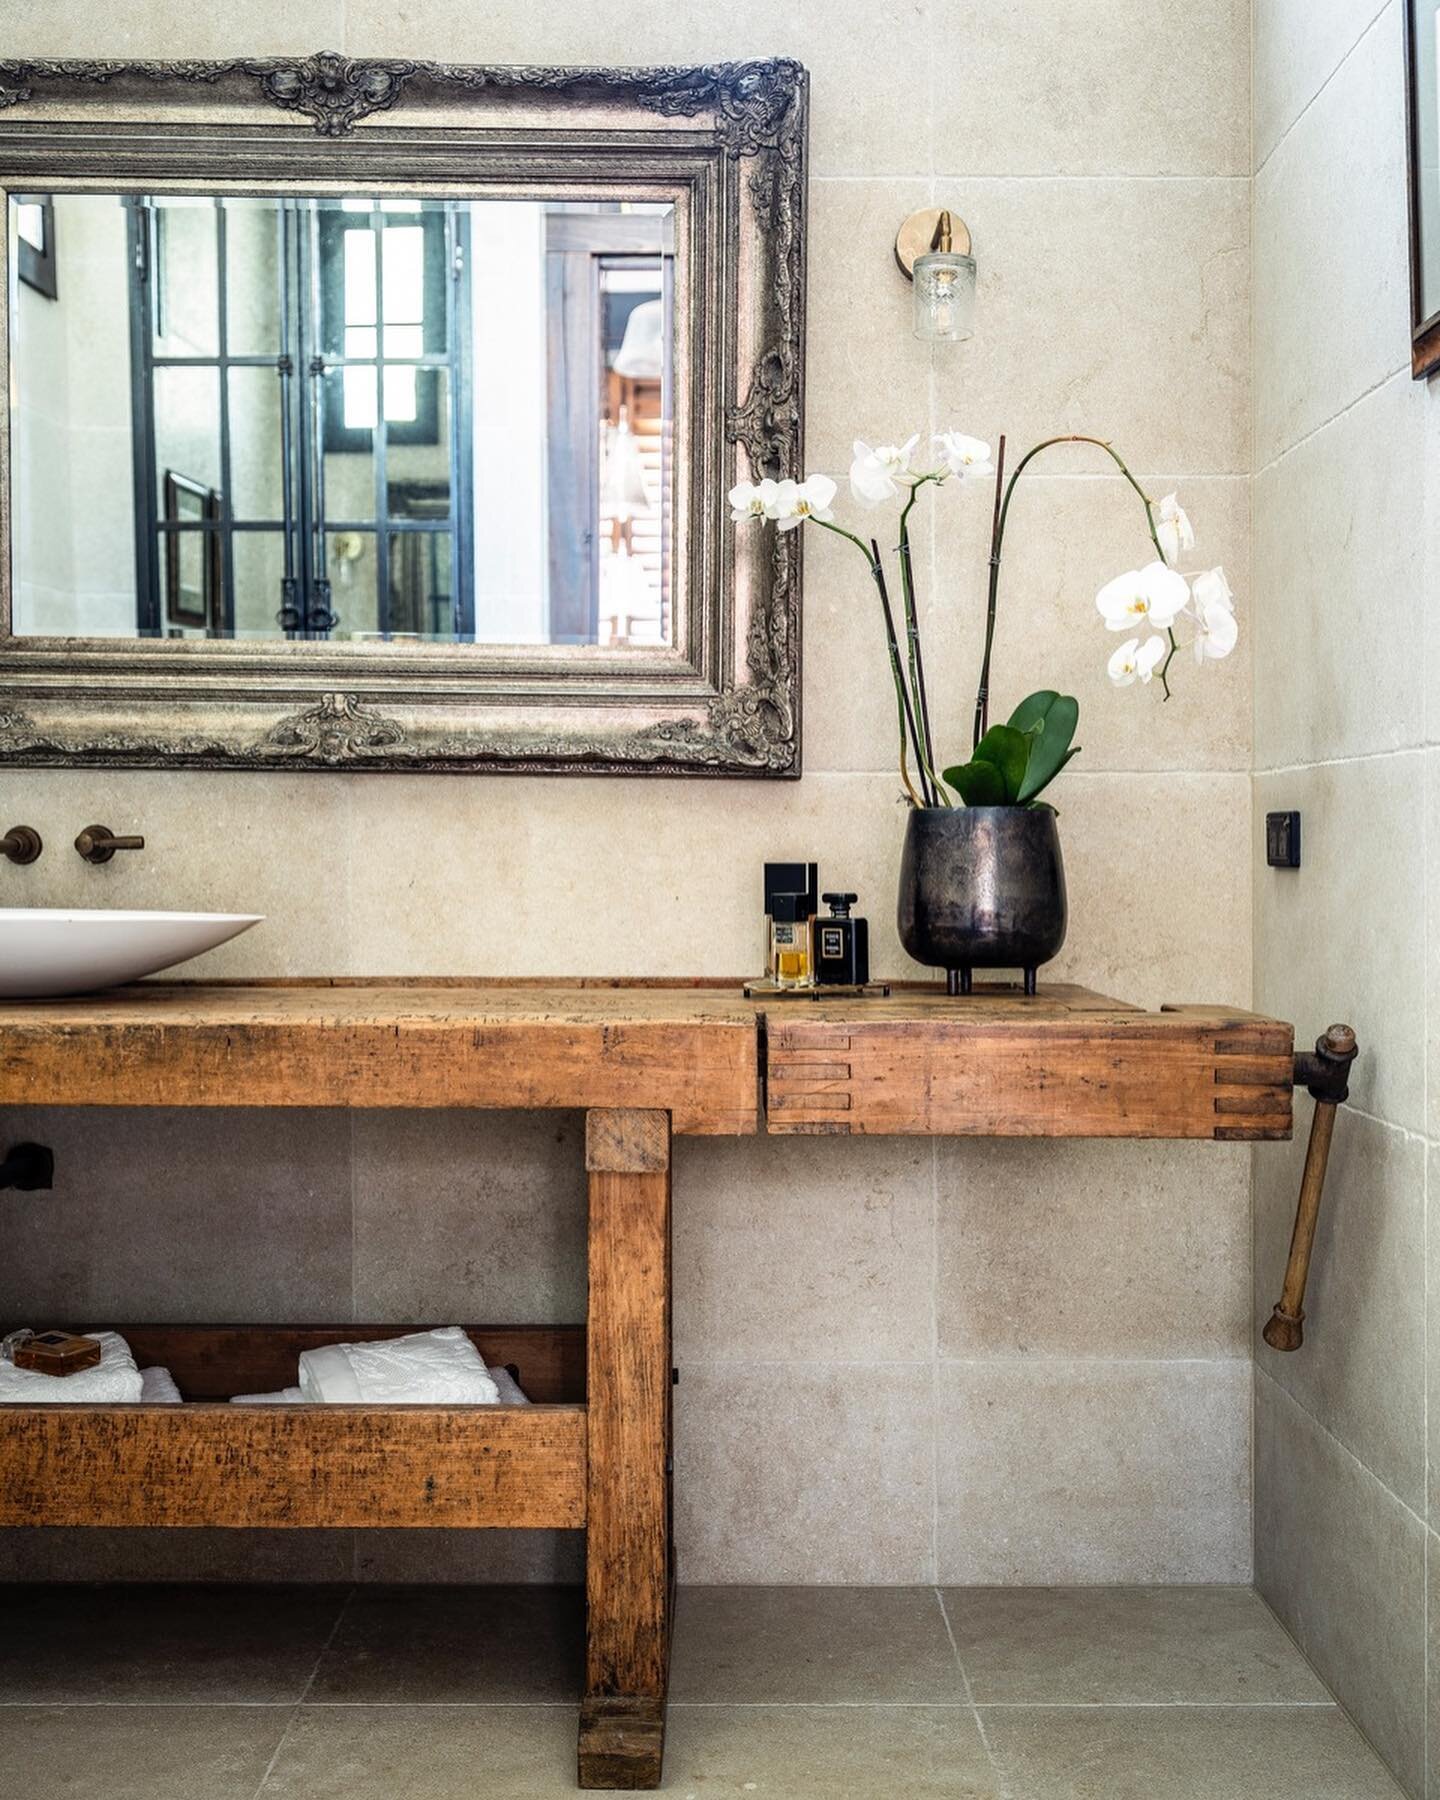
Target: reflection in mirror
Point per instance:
(368, 419)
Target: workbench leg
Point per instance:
(628, 1558)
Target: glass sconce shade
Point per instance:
(944, 296)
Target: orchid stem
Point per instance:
(982, 697)
(934, 787)
(877, 569)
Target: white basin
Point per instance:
(44, 952)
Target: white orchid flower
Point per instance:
(796, 501)
(1154, 595)
(1216, 630)
(1135, 661)
(875, 475)
(1174, 529)
(752, 500)
(964, 456)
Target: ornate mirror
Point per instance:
(381, 415)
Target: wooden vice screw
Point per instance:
(1326, 1074)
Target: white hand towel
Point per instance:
(157, 1388)
(428, 1368)
(113, 1379)
(284, 1397)
(507, 1387)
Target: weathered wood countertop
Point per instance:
(1066, 1063)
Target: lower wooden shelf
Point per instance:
(211, 1464)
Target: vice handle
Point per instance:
(1326, 1076)
(98, 843)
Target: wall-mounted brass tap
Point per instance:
(98, 843)
(21, 843)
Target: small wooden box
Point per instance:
(57, 1353)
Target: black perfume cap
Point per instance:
(839, 904)
(791, 909)
(800, 881)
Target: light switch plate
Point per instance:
(1282, 840)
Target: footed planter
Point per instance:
(982, 887)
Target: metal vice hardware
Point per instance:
(1326, 1075)
(28, 1167)
(98, 843)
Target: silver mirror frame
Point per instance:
(727, 143)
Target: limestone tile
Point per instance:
(1431, 1201)
(1343, 1564)
(1067, 537)
(215, 841)
(869, 96)
(855, 1214)
(470, 1217)
(831, 1646)
(1431, 1101)
(1298, 45)
(804, 1474)
(1331, 261)
(541, 876)
(548, 1558)
(140, 28)
(140, 1752)
(1115, 307)
(1075, 1249)
(172, 1215)
(1089, 1472)
(1432, 1665)
(1343, 936)
(424, 1752)
(1339, 523)
(48, 1553)
(1157, 869)
(1118, 1646)
(1182, 1753)
(1362, 1370)
(815, 1753)
(251, 1646)
(1045, 88)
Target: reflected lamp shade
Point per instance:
(641, 355)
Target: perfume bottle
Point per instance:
(789, 919)
(842, 945)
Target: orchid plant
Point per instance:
(1009, 764)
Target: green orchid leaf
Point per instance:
(1030, 800)
(977, 783)
(1010, 751)
(1053, 719)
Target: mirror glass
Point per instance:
(342, 419)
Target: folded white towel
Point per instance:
(428, 1368)
(508, 1388)
(157, 1388)
(284, 1397)
(114, 1378)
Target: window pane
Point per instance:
(259, 558)
(404, 274)
(360, 340)
(421, 600)
(186, 271)
(187, 424)
(417, 450)
(252, 277)
(347, 414)
(404, 340)
(256, 490)
(350, 565)
(359, 276)
(400, 396)
(30, 223)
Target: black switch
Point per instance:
(1282, 840)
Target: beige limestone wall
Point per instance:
(1346, 558)
(900, 1361)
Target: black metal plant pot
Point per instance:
(982, 887)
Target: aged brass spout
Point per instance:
(1326, 1075)
(21, 843)
(98, 843)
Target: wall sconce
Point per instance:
(933, 250)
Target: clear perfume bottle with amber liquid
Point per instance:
(789, 924)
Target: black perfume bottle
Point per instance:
(842, 945)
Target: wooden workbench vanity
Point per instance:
(643, 1061)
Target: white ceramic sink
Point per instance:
(45, 952)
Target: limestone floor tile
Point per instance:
(163, 1752)
(1431, 942)
(1343, 936)
(826, 1646)
(179, 1645)
(1092, 1249)
(1362, 1370)
(1115, 103)
(1432, 1666)
(168, 1215)
(90, 1553)
(856, 1214)
(462, 1644)
(1298, 45)
(471, 1216)
(470, 1557)
(1343, 1564)
(1083, 1472)
(425, 1752)
(1125, 1646)
(1331, 517)
(819, 1753)
(792, 1472)
(1176, 1753)
(1328, 328)
(1102, 256)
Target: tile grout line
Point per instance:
(969, 1691)
(1350, 50)
(295, 1709)
(1333, 419)
(1344, 1450)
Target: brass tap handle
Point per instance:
(21, 843)
(98, 843)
